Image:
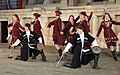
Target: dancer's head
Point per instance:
(82, 15)
(58, 13)
(36, 15)
(27, 27)
(16, 17)
(79, 29)
(107, 17)
(71, 18)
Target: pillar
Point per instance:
(71, 3)
(111, 1)
(20, 4)
(95, 25)
(117, 1)
(31, 2)
(46, 2)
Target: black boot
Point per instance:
(43, 56)
(114, 55)
(36, 53)
(96, 62)
(60, 54)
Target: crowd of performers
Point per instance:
(80, 43)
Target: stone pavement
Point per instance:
(37, 67)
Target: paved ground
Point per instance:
(37, 67)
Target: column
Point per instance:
(95, 25)
(24, 3)
(75, 2)
(46, 2)
(111, 1)
(117, 1)
(71, 3)
(63, 1)
(31, 2)
(44, 26)
(89, 1)
(0, 31)
(20, 4)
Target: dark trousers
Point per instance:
(26, 52)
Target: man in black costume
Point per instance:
(83, 53)
(29, 49)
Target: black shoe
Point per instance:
(114, 55)
(43, 56)
(58, 59)
(44, 60)
(68, 65)
(34, 58)
(115, 58)
(9, 47)
(18, 58)
(96, 67)
(25, 59)
(10, 57)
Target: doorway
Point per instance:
(4, 31)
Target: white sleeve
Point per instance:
(40, 40)
(69, 45)
(94, 43)
(8, 36)
(16, 42)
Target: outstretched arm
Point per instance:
(50, 24)
(69, 45)
(99, 30)
(16, 43)
(115, 23)
(89, 17)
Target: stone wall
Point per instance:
(49, 15)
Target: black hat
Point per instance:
(58, 13)
(83, 13)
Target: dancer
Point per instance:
(27, 40)
(14, 30)
(109, 35)
(83, 53)
(38, 30)
(58, 36)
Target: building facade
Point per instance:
(47, 7)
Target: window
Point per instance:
(9, 4)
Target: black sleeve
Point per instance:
(73, 39)
(90, 38)
(21, 36)
(35, 36)
(76, 19)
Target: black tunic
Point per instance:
(26, 51)
(85, 57)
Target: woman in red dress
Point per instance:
(15, 27)
(109, 35)
(38, 30)
(58, 36)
